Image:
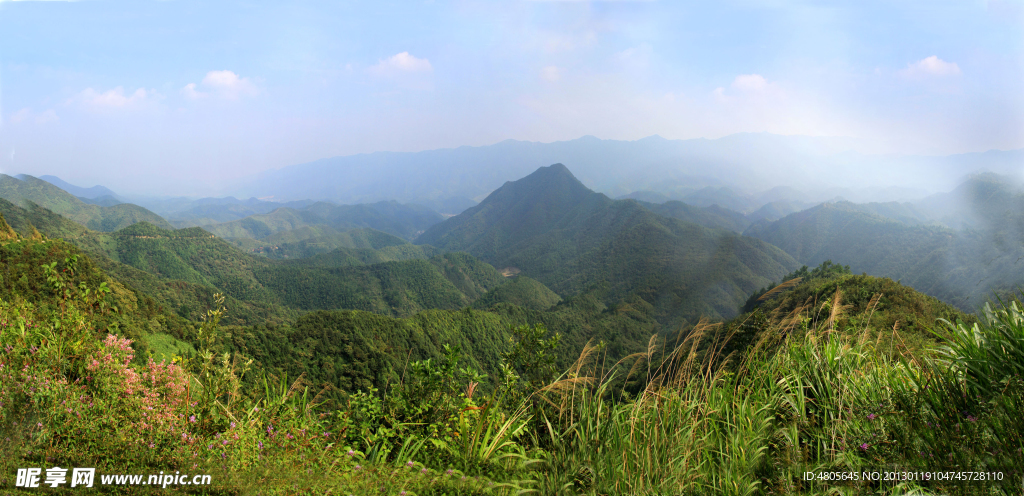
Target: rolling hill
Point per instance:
(27, 189)
(182, 269)
(404, 221)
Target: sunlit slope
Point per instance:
(107, 219)
(521, 291)
(402, 220)
(554, 229)
(900, 318)
(959, 267)
(393, 288)
(50, 274)
(187, 299)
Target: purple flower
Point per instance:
(150, 445)
(192, 419)
(350, 453)
(448, 472)
(423, 471)
(871, 416)
(409, 463)
(864, 446)
(232, 425)
(261, 444)
(972, 418)
(224, 442)
(358, 467)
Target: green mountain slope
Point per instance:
(187, 299)
(404, 221)
(521, 291)
(29, 189)
(354, 350)
(308, 241)
(713, 216)
(901, 318)
(182, 269)
(959, 267)
(555, 230)
(394, 288)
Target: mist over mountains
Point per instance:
(698, 226)
(767, 166)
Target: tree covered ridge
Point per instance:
(357, 401)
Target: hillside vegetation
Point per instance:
(404, 221)
(182, 269)
(310, 241)
(488, 413)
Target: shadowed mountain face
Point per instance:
(960, 267)
(554, 229)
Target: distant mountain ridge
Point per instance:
(90, 193)
(556, 230)
(748, 161)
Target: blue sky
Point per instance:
(176, 97)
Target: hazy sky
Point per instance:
(179, 96)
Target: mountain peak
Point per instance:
(526, 207)
(552, 172)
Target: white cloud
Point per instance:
(401, 62)
(225, 84)
(551, 74)
(114, 98)
(46, 117)
(931, 66)
(750, 82)
(189, 91)
(27, 115)
(20, 116)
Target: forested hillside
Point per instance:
(713, 216)
(182, 269)
(309, 241)
(403, 220)
(27, 189)
(555, 230)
